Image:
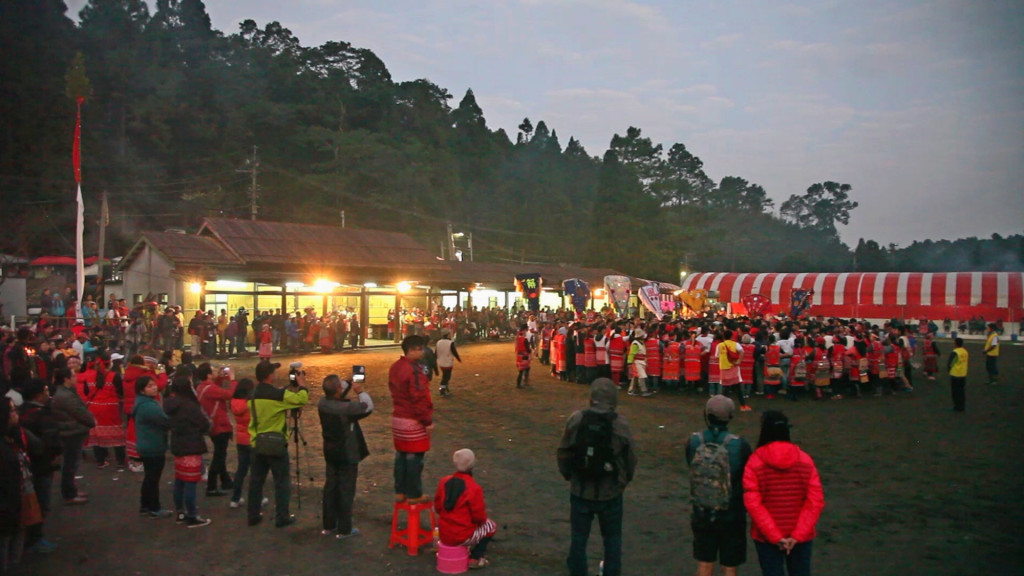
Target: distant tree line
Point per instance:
(178, 117)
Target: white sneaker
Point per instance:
(265, 502)
(234, 504)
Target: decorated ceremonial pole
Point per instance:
(76, 159)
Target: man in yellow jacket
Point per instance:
(958, 375)
(992, 355)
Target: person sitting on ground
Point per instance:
(462, 513)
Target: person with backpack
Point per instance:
(783, 494)
(597, 456)
(718, 518)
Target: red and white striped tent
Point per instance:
(878, 295)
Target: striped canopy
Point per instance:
(956, 295)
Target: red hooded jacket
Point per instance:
(783, 493)
(468, 511)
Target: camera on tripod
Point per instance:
(294, 371)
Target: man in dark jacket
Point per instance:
(37, 418)
(74, 421)
(344, 448)
(719, 532)
(597, 456)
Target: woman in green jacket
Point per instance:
(151, 426)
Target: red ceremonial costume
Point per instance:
(105, 405)
(691, 361)
(413, 407)
(653, 346)
(670, 370)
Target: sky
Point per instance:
(919, 105)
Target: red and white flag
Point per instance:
(76, 159)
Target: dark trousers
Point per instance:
(101, 453)
(219, 465)
(244, 463)
(339, 494)
(737, 391)
(775, 562)
(279, 466)
(958, 387)
(591, 374)
(409, 474)
(43, 485)
(153, 469)
(609, 518)
(446, 377)
(480, 550)
(72, 455)
(992, 367)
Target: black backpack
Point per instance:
(593, 454)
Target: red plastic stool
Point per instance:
(412, 537)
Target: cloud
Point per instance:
(721, 42)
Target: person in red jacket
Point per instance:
(784, 497)
(462, 515)
(214, 392)
(412, 420)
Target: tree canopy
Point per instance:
(178, 111)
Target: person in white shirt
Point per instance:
(447, 354)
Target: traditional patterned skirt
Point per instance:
(188, 468)
(107, 436)
(522, 361)
(130, 447)
(731, 376)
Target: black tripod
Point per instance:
(298, 437)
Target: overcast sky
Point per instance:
(917, 104)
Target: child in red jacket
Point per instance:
(462, 514)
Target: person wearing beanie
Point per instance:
(344, 448)
(462, 514)
(596, 455)
(783, 494)
(718, 518)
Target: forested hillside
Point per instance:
(179, 116)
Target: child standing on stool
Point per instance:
(462, 514)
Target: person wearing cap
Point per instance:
(637, 357)
(344, 448)
(720, 535)
(412, 420)
(461, 511)
(783, 494)
(600, 496)
(269, 407)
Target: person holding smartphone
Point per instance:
(344, 448)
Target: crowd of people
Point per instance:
(739, 357)
(66, 394)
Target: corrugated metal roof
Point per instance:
(262, 243)
(188, 249)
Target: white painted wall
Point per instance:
(151, 273)
(13, 297)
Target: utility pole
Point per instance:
(104, 221)
(342, 219)
(451, 243)
(254, 164)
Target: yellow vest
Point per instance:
(988, 342)
(959, 367)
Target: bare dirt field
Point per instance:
(911, 488)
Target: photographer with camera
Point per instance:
(344, 448)
(268, 428)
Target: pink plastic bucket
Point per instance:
(452, 559)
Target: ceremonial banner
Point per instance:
(650, 297)
(695, 300)
(618, 288)
(800, 301)
(757, 304)
(529, 285)
(579, 294)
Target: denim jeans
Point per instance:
(244, 463)
(339, 494)
(409, 474)
(219, 464)
(609, 518)
(185, 497)
(72, 455)
(279, 466)
(775, 562)
(153, 468)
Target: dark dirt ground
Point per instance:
(911, 488)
